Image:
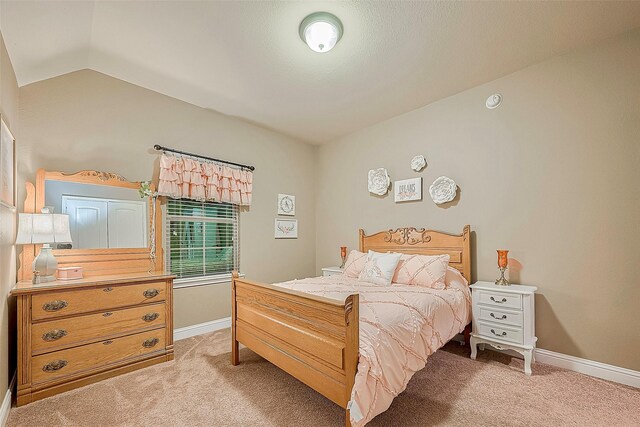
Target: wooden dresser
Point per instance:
(76, 332)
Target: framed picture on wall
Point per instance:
(286, 204)
(7, 166)
(408, 190)
(286, 228)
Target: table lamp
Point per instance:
(503, 261)
(43, 228)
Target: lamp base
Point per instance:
(44, 266)
(502, 281)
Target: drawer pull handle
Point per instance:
(499, 302)
(56, 334)
(150, 293)
(150, 342)
(107, 314)
(150, 317)
(504, 316)
(107, 342)
(503, 334)
(55, 305)
(56, 365)
(107, 289)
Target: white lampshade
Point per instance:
(43, 228)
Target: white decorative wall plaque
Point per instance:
(286, 204)
(443, 190)
(418, 163)
(286, 228)
(378, 181)
(407, 190)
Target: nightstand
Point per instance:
(504, 318)
(330, 271)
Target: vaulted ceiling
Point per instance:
(246, 59)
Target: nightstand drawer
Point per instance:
(493, 315)
(499, 299)
(494, 331)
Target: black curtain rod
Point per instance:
(161, 148)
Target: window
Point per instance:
(201, 238)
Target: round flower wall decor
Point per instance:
(379, 181)
(418, 163)
(443, 190)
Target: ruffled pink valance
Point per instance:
(185, 178)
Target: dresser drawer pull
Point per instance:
(56, 365)
(150, 317)
(150, 342)
(55, 305)
(56, 334)
(499, 302)
(107, 289)
(107, 342)
(503, 334)
(504, 316)
(150, 293)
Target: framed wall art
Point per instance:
(7, 166)
(286, 204)
(407, 190)
(286, 228)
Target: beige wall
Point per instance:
(87, 120)
(552, 175)
(8, 111)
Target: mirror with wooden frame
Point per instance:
(113, 229)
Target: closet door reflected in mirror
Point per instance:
(100, 217)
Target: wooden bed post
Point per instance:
(352, 347)
(234, 342)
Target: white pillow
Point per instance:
(379, 268)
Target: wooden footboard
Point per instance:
(315, 339)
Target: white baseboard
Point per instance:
(589, 367)
(584, 366)
(201, 328)
(6, 403)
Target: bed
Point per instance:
(311, 328)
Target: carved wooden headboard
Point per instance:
(425, 242)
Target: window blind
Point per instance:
(201, 238)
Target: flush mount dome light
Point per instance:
(321, 31)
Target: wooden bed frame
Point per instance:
(316, 339)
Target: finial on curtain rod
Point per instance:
(161, 148)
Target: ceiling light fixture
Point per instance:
(321, 31)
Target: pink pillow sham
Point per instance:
(422, 270)
(354, 264)
(455, 279)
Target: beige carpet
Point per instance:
(201, 388)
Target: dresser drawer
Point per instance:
(498, 299)
(500, 332)
(495, 315)
(67, 332)
(51, 366)
(55, 304)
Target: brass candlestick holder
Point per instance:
(503, 260)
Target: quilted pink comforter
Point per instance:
(400, 327)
